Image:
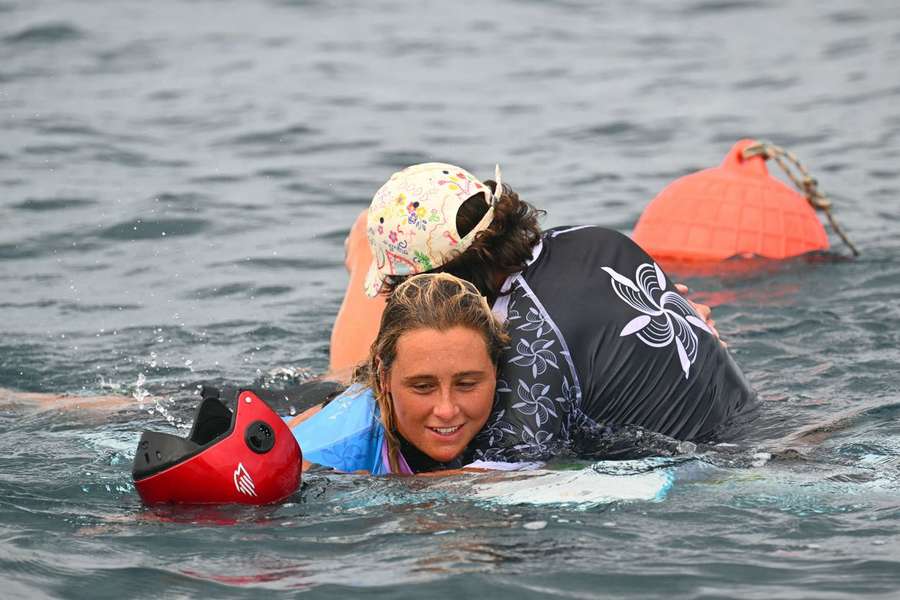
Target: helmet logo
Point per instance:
(243, 482)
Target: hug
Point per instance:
(500, 342)
(598, 338)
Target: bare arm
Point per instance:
(43, 401)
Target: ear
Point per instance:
(383, 379)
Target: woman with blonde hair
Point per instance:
(425, 391)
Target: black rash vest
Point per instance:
(599, 339)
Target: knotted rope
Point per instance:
(806, 183)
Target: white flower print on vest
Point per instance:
(667, 317)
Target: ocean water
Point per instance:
(176, 181)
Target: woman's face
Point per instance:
(443, 385)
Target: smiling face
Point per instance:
(442, 384)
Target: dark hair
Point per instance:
(503, 248)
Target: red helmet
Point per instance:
(248, 456)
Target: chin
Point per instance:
(445, 455)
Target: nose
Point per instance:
(446, 407)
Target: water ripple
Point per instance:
(253, 149)
(47, 245)
(45, 34)
(277, 137)
(146, 229)
(720, 6)
(52, 204)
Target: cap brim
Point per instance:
(373, 282)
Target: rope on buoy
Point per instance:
(805, 182)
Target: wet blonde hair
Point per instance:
(428, 301)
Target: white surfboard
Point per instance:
(538, 486)
(533, 484)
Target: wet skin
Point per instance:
(442, 384)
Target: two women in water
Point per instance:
(599, 345)
(599, 339)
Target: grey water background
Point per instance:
(176, 182)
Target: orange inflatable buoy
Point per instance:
(735, 209)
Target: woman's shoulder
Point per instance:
(573, 249)
(352, 414)
(586, 234)
(353, 409)
(346, 434)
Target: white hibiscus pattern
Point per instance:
(536, 355)
(534, 401)
(667, 317)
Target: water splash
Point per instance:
(160, 404)
(283, 376)
(140, 393)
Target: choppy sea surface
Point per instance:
(176, 181)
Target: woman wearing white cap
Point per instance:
(599, 337)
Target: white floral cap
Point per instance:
(412, 220)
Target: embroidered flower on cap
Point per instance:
(411, 223)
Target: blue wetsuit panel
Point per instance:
(346, 434)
